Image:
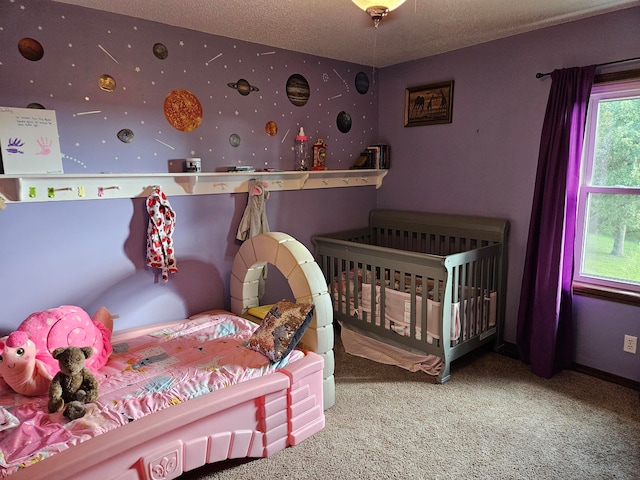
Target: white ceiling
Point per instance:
(337, 29)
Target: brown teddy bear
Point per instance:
(74, 385)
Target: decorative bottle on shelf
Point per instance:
(301, 151)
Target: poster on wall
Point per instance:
(29, 141)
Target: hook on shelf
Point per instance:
(51, 191)
(101, 190)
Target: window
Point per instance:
(608, 230)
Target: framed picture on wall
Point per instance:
(428, 104)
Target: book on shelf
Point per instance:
(380, 156)
(374, 157)
(363, 161)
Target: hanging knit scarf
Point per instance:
(162, 219)
(254, 220)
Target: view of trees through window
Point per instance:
(611, 193)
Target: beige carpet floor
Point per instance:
(493, 420)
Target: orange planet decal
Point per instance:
(271, 128)
(183, 110)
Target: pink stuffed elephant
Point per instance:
(26, 360)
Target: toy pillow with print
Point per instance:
(27, 364)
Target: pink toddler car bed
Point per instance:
(173, 397)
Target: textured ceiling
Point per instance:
(337, 29)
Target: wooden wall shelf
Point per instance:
(46, 188)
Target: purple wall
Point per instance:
(485, 161)
(92, 252)
(80, 45)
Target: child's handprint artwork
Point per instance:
(14, 145)
(45, 146)
(29, 142)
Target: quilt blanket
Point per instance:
(143, 375)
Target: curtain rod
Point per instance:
(540, 75)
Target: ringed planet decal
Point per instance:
(183, 110)
(243, 87)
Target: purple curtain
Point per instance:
(545, 333)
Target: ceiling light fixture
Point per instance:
(378, 8)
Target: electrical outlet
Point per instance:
(630, 344)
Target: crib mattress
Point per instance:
(144, 375)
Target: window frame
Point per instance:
(587, 285)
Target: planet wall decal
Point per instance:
(271, 128)
(107, 83)
(298, 90)
(160, 51)
(234, 140)
(125, 135)
(362, 83)
(343, 121)
(183, 110)
(31, 49)
(243, 87)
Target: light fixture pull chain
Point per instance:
(375, 45)
(373, 70)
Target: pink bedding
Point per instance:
(143, 375)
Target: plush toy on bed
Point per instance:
(74, 385)
(27, 364)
